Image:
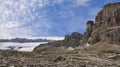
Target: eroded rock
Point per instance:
(106, 27)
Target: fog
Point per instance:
(19, 46)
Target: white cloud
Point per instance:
(16, 15)
(6, 28)
(9, 24)
(48, 37)
(81, 2)
(5, 35)
(73, 2)
(58, 1)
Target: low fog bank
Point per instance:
(19, 46)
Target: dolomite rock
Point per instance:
(106, 27)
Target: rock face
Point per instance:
(72, 40)
(106, 27)
(88, 32)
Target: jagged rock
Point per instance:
(88, 32)
(106, 27)
(74, 35)
(72, 40)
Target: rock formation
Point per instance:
(72, 40)
(106, 27)
(88, 32)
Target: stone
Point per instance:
(89, 29)
(106, 27)
(70, 48)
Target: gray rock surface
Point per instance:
(106, 27)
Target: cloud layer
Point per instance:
(19, 16)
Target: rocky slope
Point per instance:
(60, 58)
(106, 27)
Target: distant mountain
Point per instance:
(24, 40)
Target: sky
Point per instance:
(43, 18)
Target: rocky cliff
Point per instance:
(106, 27)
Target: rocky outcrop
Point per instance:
(106, 27)
(72, 40)
(88, 32)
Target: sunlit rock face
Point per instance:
(107, 26)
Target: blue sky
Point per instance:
(38, 18)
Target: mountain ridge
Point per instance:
(24, 40)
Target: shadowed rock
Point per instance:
(88, 32)
(72, 40)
